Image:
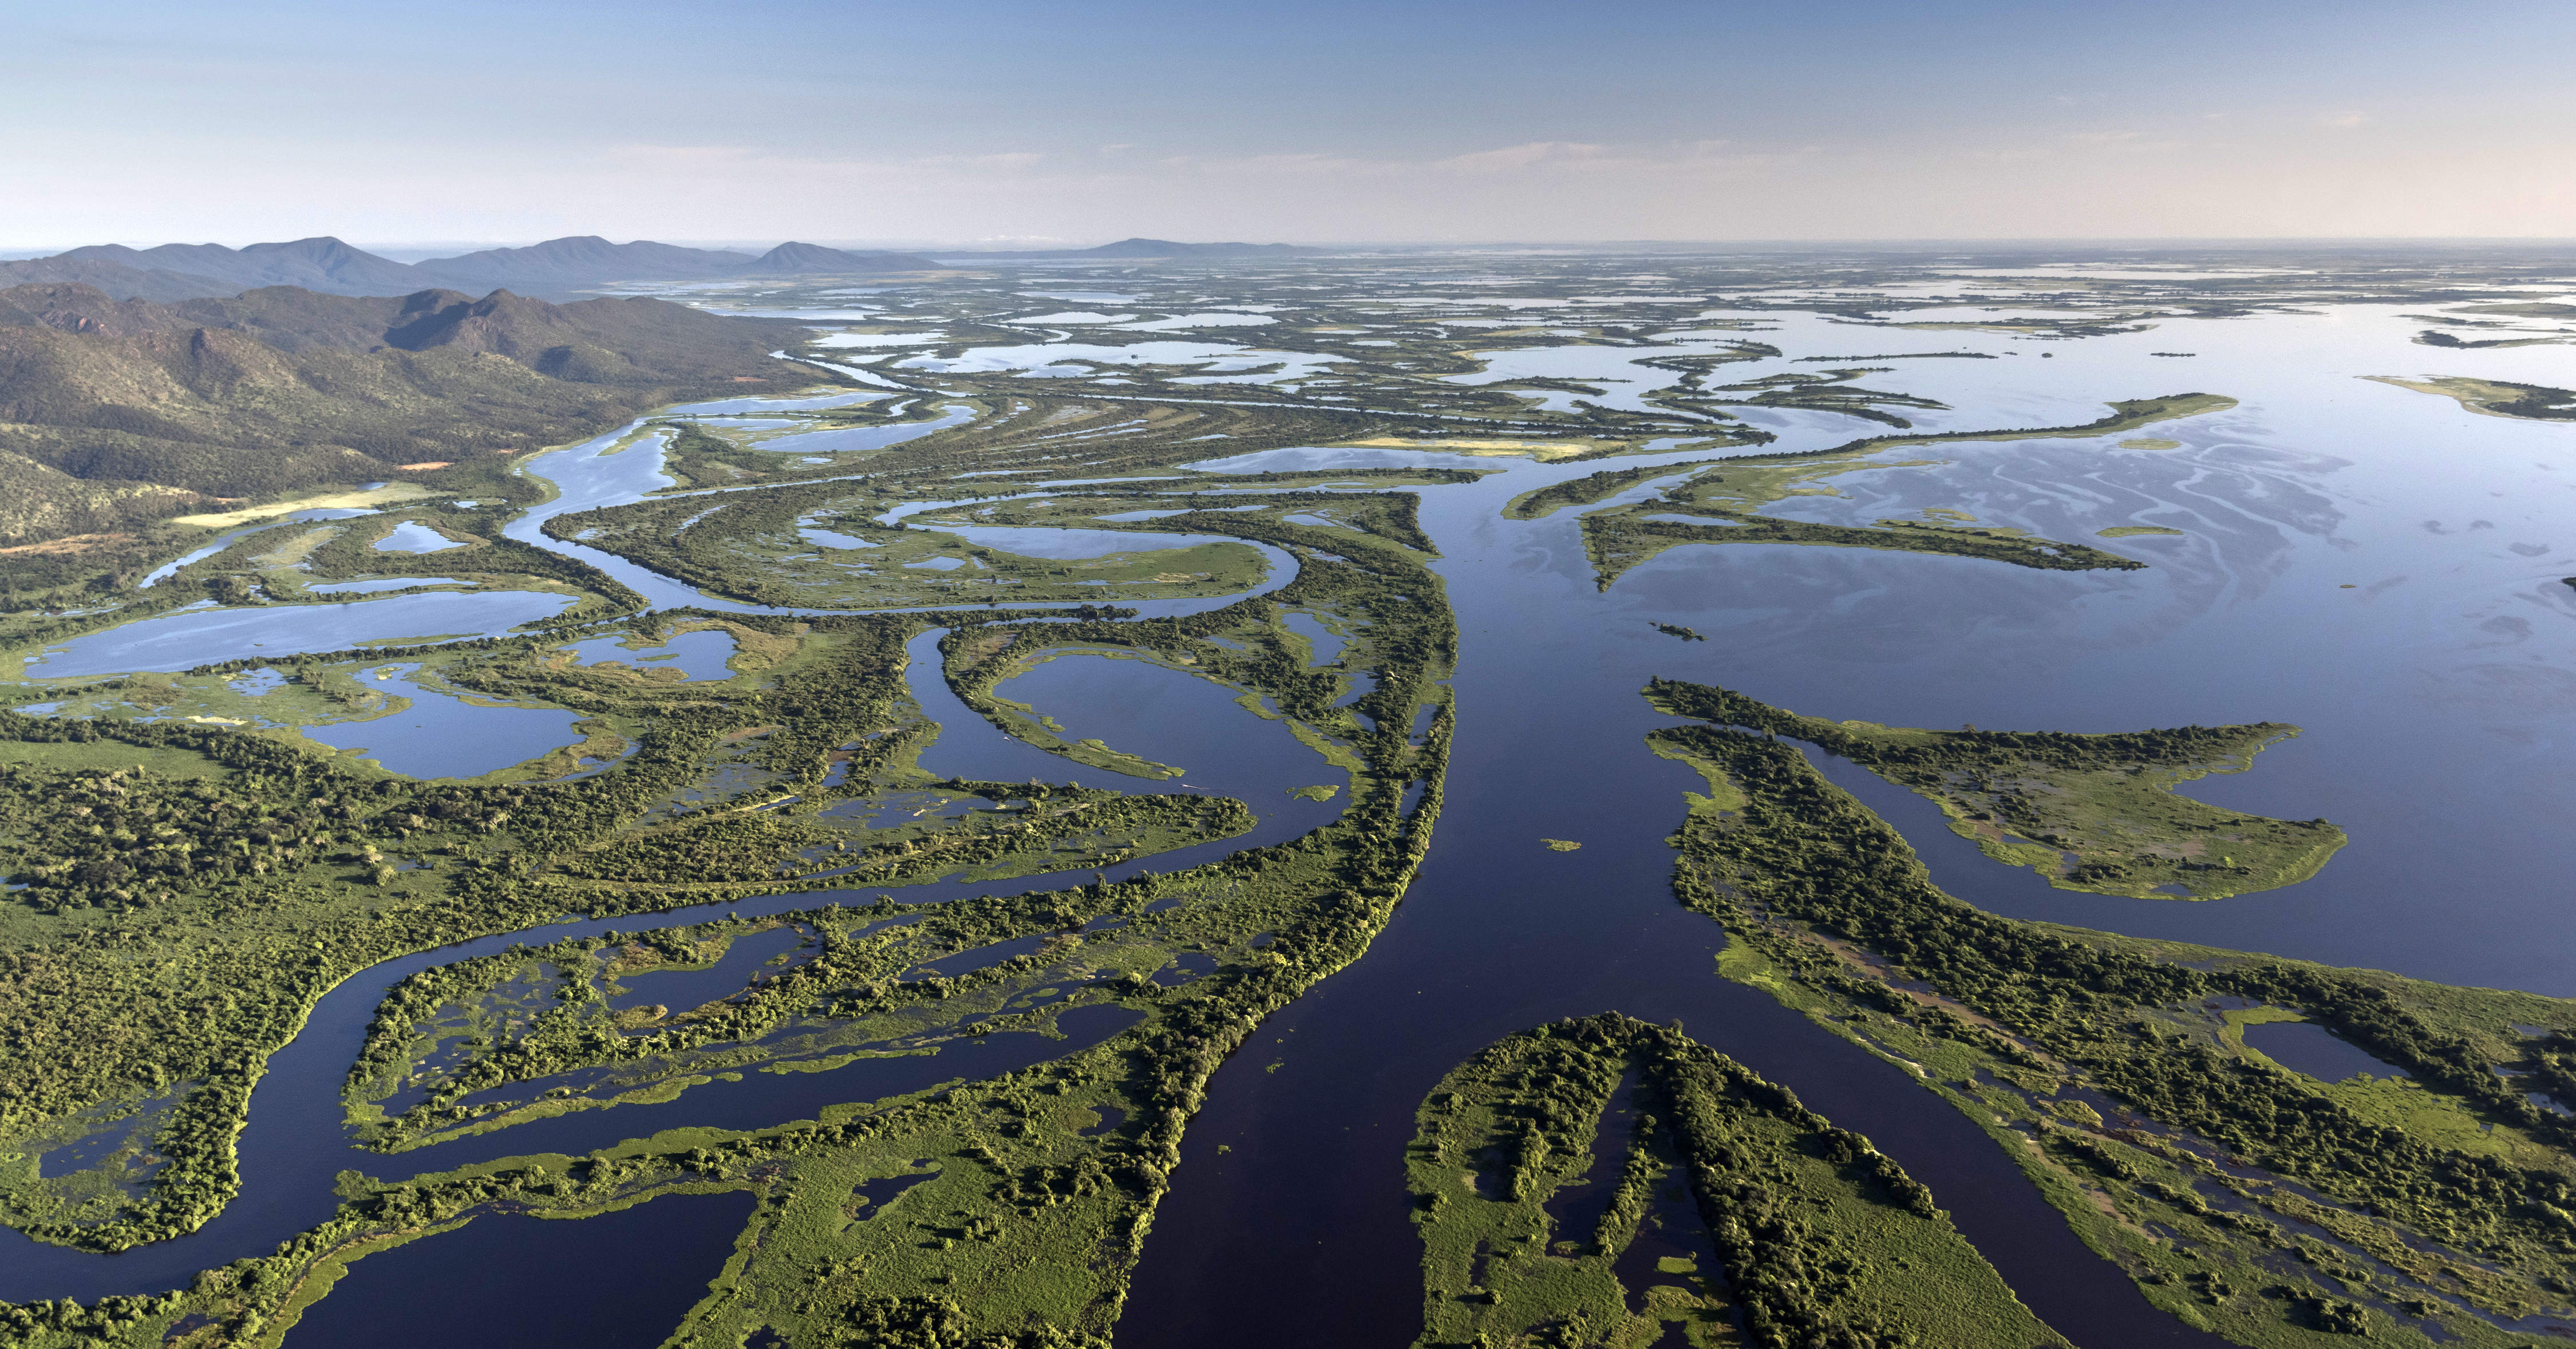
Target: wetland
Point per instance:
(1622, 827)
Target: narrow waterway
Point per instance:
(2376, 595)
(296, 1142)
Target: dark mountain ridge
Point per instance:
(795, 259)
(585, 258)
(118, 411)
(322, 263)
(173, 272)
(115, 278)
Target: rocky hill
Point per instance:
(328, 266)
(117, 410)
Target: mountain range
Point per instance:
(1150, 249)
(115, 411)
(175, 272)
(327, 265)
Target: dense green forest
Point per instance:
(1604, 1181)
(2436, 1206)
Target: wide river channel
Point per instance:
(2371, 564)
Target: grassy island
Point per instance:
(1731, 494)
(1607, 1182)
(2494, 397)
(2264, 1204)
(2089, 812)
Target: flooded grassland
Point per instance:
(903, 810)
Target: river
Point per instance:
(2367, 562)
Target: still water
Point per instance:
(439, 735)
(182, 641)
(2372, 564)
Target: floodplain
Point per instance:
(1050, 780)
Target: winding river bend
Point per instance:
(2425, 666)
(296, 1143)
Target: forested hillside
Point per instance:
(580, 262)
(116, 411)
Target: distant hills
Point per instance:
(316, 264)
(1155, 248)
(585, 258)
(175, 272)
(329, 266)
(114, 411)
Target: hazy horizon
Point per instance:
(412, 251)
(1436, 124)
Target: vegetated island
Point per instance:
(1730, 500)
(2494, 397)
(1129, 993)
(2089, 812)
(2243, 1198)
(2435, 337)
(1606, 1182)
(2126, 415)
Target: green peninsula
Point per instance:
(2263, 1204)
(1606, 1182)
(2494, 397)
(2089, 812)
(1723, 501)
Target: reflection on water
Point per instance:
(413, 537)
(842, 438)
(733, 405)
(387, 583)
(1326, 643)
(1188, 722)
(696, 655)
(181, 641)
(443, 736)
(506, 1281)
(2306, 1047)
(1314, 459)
(2371, 564)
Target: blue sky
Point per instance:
(1322, 121)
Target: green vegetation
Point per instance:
(749, 547)
(124, 412)
(2089, 812)
(1040, 1181)
(155, 949)
(1539, 503)
(2131, 531)
(2493, 397)
(2435, 337)
(1731, 493)
(2261, 1203)
(1554, 1177)
(1617, 541)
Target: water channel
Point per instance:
(2338, 571)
